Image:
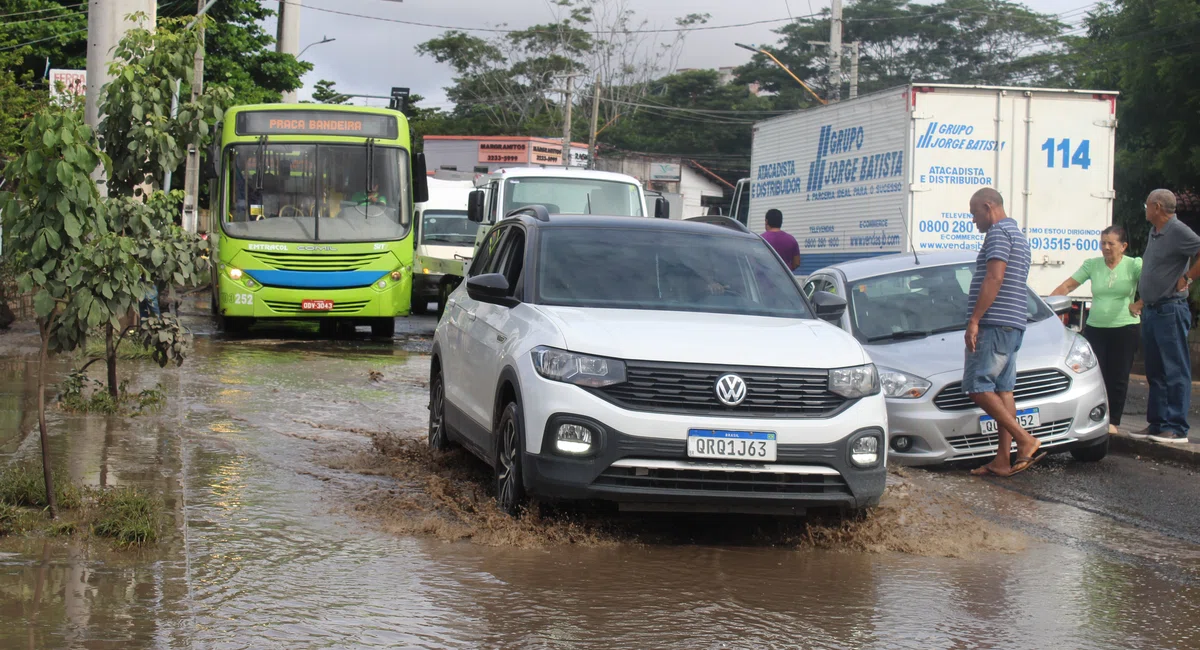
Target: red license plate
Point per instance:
(316, 305)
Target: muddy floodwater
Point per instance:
(272, 541)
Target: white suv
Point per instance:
(664, 365)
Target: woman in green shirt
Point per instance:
(1113, 323)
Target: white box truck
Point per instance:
(894, 170)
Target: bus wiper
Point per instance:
(259, 163)
(903, 334)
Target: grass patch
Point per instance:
(129, 349)
(130, 517)
(82, 394)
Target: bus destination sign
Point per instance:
(361, 125)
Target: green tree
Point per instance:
(20, 101)
(323, 93)
(1147, 51)
(55, 218)
(955, 41)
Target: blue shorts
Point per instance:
(992, 367)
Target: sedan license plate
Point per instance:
(316, 305)
(731, 445)
(1027, 418)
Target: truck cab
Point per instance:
(739, 208)
(444, 238)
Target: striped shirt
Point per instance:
(1005, 242)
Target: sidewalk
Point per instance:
(1134, 419)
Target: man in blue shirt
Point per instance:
(998, 312)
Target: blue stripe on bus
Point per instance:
(315, 279)
(812, 262)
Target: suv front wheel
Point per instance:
(438, 438)
(510, 490)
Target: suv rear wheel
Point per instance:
(437, 413)
(510, 489)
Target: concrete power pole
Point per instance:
(287, 40)
(568, 99)
(835, 51)
(107, 24)
(854, 51)
(595, 123)
(191, 174)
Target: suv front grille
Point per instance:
(691, 389)
(1031, 384)
(724, 482)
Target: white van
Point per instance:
(444, 235)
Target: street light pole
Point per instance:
(785, 69)
(324, 40)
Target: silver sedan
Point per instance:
(911, 316)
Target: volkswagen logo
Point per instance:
(731, 390)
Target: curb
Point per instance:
(1188, 454)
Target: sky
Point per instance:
(369, 56)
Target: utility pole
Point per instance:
(191, 174)
(854, 50)
(568, 98)
(287, 39)
(595, 123)
(107, 24)
(835, 51)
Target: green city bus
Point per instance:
(315, 206)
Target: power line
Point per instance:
(41, 11)
(41, 40)
(43, 19)
(497, 30)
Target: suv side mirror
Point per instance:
(1060, 304)
(829, 307)
(662, 209)
(475, 205)
(491, 288)
(420, 179)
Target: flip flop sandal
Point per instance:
(1024, 462)
(984, 470)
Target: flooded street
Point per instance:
(269, 544)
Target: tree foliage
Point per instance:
(323, 93)
(956, 41)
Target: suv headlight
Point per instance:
(902, 385)
(855, 382)
(578, 369)
(1081, 358)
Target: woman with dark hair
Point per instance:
(1113, 323)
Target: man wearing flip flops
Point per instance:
(995, 327)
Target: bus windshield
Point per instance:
(317, 192)
(574, 196)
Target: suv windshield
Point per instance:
(642, 268)
(574, 196)
(918, 302)
(309, 192)
(447, 228)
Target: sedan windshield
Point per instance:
(574, 196)
(636, 268)
(447, 228)
(917, 303)
(309, 192)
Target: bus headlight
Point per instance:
(235, 274)
(396, 276)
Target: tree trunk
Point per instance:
(47, 474)
(110, 359)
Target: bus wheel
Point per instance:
(233, 324)
(419, 305)
(384, 328)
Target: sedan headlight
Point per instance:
(1081, 358)
(852, 383)
(902, 385)
(578, 369)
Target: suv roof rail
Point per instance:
(536, 211)
(725, 222)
